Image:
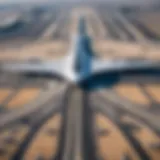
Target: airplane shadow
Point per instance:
(109, 80)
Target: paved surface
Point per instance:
(45, 119)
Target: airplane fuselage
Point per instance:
(77, 64)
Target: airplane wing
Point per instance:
(119, 66)
(34, 68)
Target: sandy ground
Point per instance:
(23, 97)
(138, 95)
(40, 50)
(119, 50)
(17, 136)
(133, 93)
(114, 145)
(104, 49)
(145, 136)
(46, 141)
(4, 93)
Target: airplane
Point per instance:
(80, 63)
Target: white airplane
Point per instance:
(79, 64)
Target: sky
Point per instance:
(128, 1)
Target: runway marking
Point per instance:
(140, 38)
(51, 29)
(119, 32)
(102, 31)
(73, 139)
